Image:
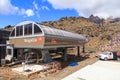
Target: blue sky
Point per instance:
(42, 11)
(15, 11)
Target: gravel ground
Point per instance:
(7, 74)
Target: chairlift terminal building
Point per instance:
(31, 35)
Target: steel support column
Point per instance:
(64, 55)
(83, 48)
(78, 51)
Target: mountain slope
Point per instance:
(99, 30)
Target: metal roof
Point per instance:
(59, 32)
(54, 31)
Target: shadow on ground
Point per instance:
(71, 58)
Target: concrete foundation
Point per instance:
(101, 70)
(28, 70)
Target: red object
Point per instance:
(53, 41)
(40, 38)
(33, 42)
(118, 53)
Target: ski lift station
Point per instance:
(39, 40)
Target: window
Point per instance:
(19, 30)
(37, 29)
(28, 29)
(110, 53)
(13, 33)
(9, 51)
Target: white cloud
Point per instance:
(29, 12)
(22, 12)
(45, 8)
(36, 9)
(35, 5)
(7, 8)
(102, 8)
(26, 13)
